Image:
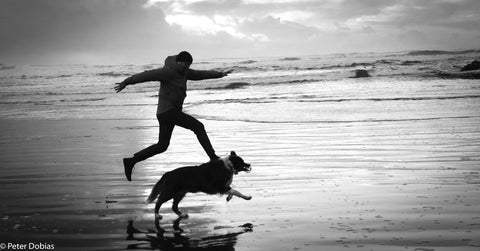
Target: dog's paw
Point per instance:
(158, 217)
(183, 216)
(248, 197)
(229, 197)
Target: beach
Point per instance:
(387, 186)
(389, 162)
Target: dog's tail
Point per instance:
(156, 190)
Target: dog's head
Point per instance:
(238, 164)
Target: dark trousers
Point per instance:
(167, 121)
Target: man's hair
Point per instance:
(184, 56)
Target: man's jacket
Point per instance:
(173, 85)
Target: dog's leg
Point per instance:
(157, 209)
(233, 192)
(164, 197)
(176, 199)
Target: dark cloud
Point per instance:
(40, 29)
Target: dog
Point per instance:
(214, 177)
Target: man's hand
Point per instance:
(225, 73)
(120, 86)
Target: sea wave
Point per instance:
(113, 74)
(318, 99)
(379, 64)
(25, 102)
(83, 100)
(7, 67)
(439, 52)
(320, 121)
(458, 75)
(229, 86)
(394, 99)
(384, 65)
(290, 59)
(248, 62)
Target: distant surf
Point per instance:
(268, 86)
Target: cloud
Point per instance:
(382, 16)
(46, 29)
(146, 30)
(276, 29)
(408, 14)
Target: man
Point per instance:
(173, 78)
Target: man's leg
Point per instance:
(186, 121)
(165, 134)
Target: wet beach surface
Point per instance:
(388, 185)
(388, 162)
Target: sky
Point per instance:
(145, 31)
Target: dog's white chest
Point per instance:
(229, 166)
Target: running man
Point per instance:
(173, 86)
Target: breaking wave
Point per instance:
(438, 52)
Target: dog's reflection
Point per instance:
(161, 240)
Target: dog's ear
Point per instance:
(232, 153)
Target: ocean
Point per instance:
(419, 85)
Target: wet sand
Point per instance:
(399, 185)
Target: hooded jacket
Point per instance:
(173, 85)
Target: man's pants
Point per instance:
(168, 120)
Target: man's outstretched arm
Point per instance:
(200, 75)
(146, 76)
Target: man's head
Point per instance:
(185, 57)
(183, 61)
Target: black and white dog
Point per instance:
(214, 177)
